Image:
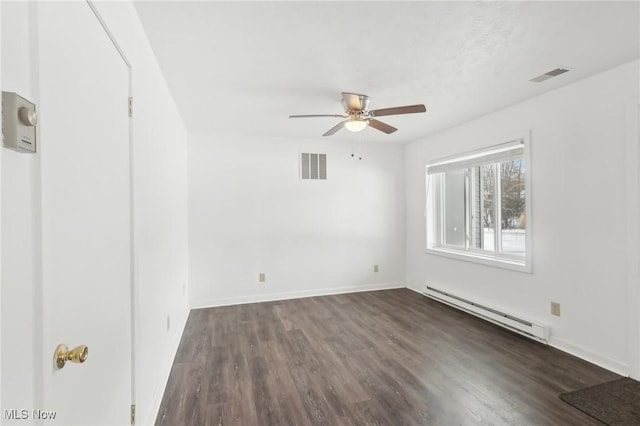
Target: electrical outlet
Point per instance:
(555, 309)
(262, 277)
(168, 322)
(375, 268)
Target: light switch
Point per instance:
(19, 120)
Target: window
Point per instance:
(477, 206)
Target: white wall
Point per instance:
(581, 215)
(160, 207)
(249, 213)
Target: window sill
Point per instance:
(498, 262)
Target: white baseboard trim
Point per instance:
(158, 391)
(272, 297)
(599, 360)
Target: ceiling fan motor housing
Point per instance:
(352, 106)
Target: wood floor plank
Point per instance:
(388, 357)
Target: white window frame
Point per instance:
(470, 254)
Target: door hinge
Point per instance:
(130, 106)
(133, 414)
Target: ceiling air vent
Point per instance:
(549, 74)
(313, 166)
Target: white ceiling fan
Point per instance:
(358, 116)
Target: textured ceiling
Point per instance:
(244, 67)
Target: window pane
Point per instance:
(513, 206)
(483, 207)
(435, 232)
(488, 173)
(454, 208)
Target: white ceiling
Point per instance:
(244, 67)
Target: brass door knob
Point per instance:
(63, 354)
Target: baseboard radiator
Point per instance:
(511, 322)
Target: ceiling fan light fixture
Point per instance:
(356, 125)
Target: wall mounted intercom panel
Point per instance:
(19, 120)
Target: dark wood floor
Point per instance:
(388, 357)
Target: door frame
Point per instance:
(632, 208)
(132, 263)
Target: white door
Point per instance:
(84, 154)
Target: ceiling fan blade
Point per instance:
(383, 127)
(354, 102)
(318, 115)
(409, 109)
(334, 129)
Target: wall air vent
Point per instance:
(550, 74)
(313, 166)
